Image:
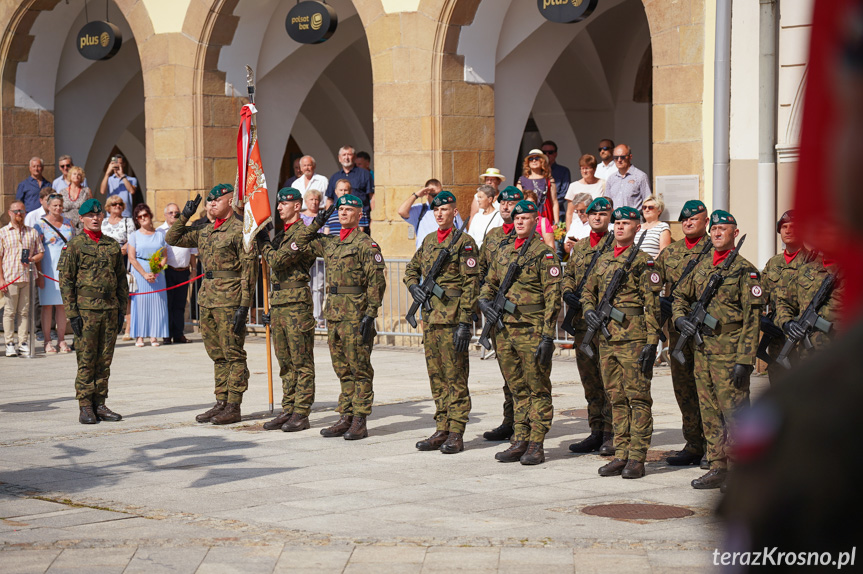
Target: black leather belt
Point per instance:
(289, 285)
(178, 268)
(346, 290)
(221, 274)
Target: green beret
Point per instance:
(510, 193)
(787, 217)
(625, 212)
(600, 204)
(443, 198)
(524, 206)
(690, 208)
(219, 191)
(91, 205)
(721, 216)
(288, 194)
(350, 201)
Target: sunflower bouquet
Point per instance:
(158, 261)
(559, 230)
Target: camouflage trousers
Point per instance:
(720, 402)
(94, 350)
(226, 351)
(683, 382)
(293, 330)
(352, 364)
(507, 394)
(629, 394)
(529, 382)
(448, 372)
(598, 407)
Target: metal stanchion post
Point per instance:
(31, 276)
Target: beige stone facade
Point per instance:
(433, 86)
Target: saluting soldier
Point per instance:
(670, 264)
(447, 327)
(627, 357)
(355, 289)
(526, 343)
(781, 269)
(494, 240)
(290, 317)
(598, 407)
(724, 363)
(95, 294)
(230, 274)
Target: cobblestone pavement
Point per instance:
(159, 493)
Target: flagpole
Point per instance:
(265, 275)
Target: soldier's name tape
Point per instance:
(11, 282)
(133, 294)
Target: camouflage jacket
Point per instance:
(579, 260)
(220, 250)
(459, 274)
(797, 291)
(92, 275)
(538, 284)
(737, 303)
(639, 291)
(289, 267)
(673, 260)
(491, 244)
(778, 272)
(355, 262)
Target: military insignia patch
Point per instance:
(378, 257)
(756, 291)
(651, 262)
(654, 278)
(468, 247)
(294, 246)
(753, 275)
(715, 218)
(554, 271)
(375, 245)
(549, 255)
(470, 262)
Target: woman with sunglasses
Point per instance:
(74, 195)
(120, 228)
(658, 233)
(54, 231)
(537, 177)
(150, 310)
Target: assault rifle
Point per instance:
(572, 310)
(699, 315)
(809, 320)
(429, 285)
(500, 303)
(690, 266)
(606, 311)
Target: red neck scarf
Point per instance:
(690, 243)
(827, 262)
(619, 250)
(719, 256)
(219, 222)
(288, 225)
(596, 237)
(442, 235)
(519, 242)
(343, 234)
(94, 235)
(507, 227)
(790, 258)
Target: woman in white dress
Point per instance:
(487, 217)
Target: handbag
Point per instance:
(133, 285)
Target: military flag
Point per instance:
(251, 189)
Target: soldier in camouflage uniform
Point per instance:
(670, 265)
(355, 290)
(598, 407)
(526, 343)
(627, 358)
(95, 294)
(724, 362)
(290, 317)
(494, 240)
(224, 298)
(447, 327)
(781, 269)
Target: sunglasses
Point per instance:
(143, 216)
(648, 207)
(549, 151)
(620, 157)
(17, 211)
(534, 158)
(173, 213)
(581, 211)
(65, 166)
(605, 148)
(54, 196)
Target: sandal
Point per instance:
(64, 348)
(139, 342)
(49, 349)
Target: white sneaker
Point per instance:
(23, 349)
(10, 350)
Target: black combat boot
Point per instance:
(205, 416)
(277, 422)
(229, 415)
(607, 448)
(338, 429)
(714, 478)
(87, 416)
(297, 423)
(704, 464)
(103, 413)
(358, 429)
(633, 469)
(613, 468)
(513, 453)
(503, 432)
(684, 458)
(590, 444)
(453, 444)
(434, 441)
(534, 454)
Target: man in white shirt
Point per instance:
(421, 217)
(36, 214)
(181, 262)
(605, 166)
(65, 164)
(309, 179)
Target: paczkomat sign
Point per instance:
(99, 40)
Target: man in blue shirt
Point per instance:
(362, 184)
(116, 182)
(561, 174)
(421, 217)
(28, 190)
